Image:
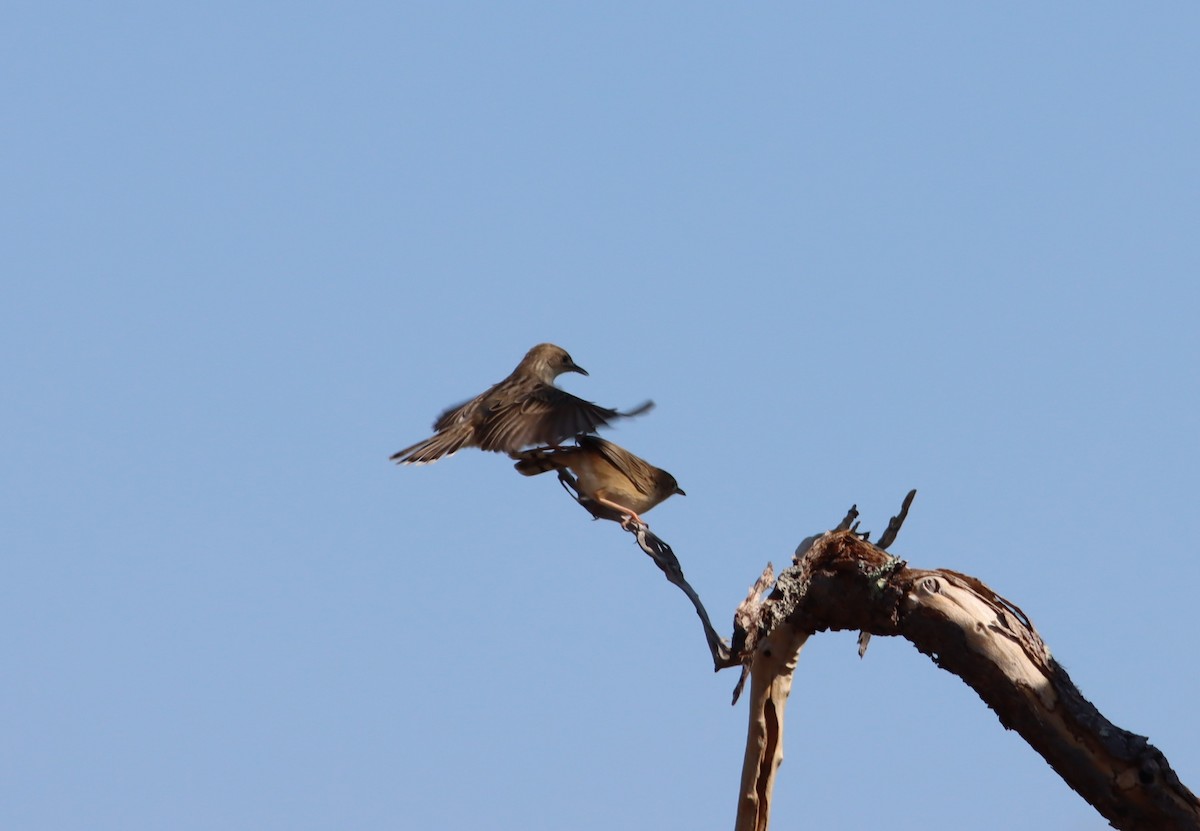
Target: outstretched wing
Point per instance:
(459, 413)
(544, 415)
(437, 446)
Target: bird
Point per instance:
(607, 475)
(524, 409)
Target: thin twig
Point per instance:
(665, 559)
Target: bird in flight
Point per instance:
(524, 409)
(607, 475)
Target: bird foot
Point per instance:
(633, 522)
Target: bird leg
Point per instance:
(632, 514)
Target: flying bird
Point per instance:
(524, 409)
(607, 475)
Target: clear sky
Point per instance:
(252, 249)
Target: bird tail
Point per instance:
(538, 460)
(431, 449)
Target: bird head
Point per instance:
(547, 361)
(669, 486)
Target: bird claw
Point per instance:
(633, 523)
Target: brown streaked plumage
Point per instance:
(522, 410)
(606, 474)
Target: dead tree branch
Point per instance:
(839, 581)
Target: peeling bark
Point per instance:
(770, 684)
(841, 581)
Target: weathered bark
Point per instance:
(840, 581)
(771, 682)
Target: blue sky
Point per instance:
(848, 250)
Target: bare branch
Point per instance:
(770, 684)
(747, 621)
(841, 582)
(665, 559)
(893, 529)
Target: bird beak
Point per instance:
(574, 367)
(680, 491)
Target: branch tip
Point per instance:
(851, 515)
(893, 528)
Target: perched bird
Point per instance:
(607, 475)
(522, 410)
